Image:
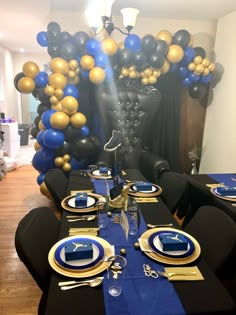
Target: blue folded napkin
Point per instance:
(226, 191)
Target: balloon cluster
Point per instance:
(62, 137)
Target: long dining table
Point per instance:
(196, 297)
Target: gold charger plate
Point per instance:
(143, 194)
(82, 210)
(98, 176)
(85, 272)
(170, 260)
(221, 197)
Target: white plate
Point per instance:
(97, 173)
(91, 201)
(158, 245)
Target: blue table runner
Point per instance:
(140, 295)
(224, 178)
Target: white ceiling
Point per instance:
(21, 20)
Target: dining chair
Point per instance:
(216, 234)
(56, 182)
(35, 234)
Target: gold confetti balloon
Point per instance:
(26, 85)
(78, 120)
(59, 65)
(30, 69)
(59, 120)
(70, 105)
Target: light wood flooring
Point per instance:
(19, 193)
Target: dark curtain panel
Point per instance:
(166, 125)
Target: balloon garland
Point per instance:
(62, 137)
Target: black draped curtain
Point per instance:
(165, 126)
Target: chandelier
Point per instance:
(99, 18)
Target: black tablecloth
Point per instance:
(197, 297)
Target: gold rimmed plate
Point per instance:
(93, 204)
(217, 194)
(156, 190)
(170, 259)
(96, 174)
(84, 268)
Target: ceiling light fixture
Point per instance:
(99, 18)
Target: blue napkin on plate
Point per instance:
(226, 191)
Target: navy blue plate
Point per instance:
(79, 264)
(153, 243)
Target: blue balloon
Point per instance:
(133, 42)
(174, 67)
(53, 138)
(101, 60)
(186, 82)
(40, 178)
(71, 90)
(45, 118)
(193, 77)
(183, 72)
(78, 164)
(39, 137)
(84, 131)
(41, 79)
(93, 47)
(84, 74)
(43, 160)
(189, 54)
(42, 39)
(206, 79)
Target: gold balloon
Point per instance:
(165, 68)
(59, 161)
(59, 93)
(152, 79)
(77, 71)
(71, 74)
(59, 120)
(205, 62)
(156, 73)
(175, 53)
(87, 62)
(165, 35)
(121, 45)
(211, 67)
(30, 69)
(78, 120)
(191, 66)
(124, 72)
(66, 167)
(70, 105)
(97, 75)
(73, 64)
(66, 157)
(44, 190)
(145, 80)
(74, 81)
(109, 46)
(26, 85)
(37, 146)
(197, 60)
(190, 44)
(57, 107)
(206, 71)
(54, 100)
(133, 74)
(147, 72)
(59, 65)
(57, 80)
(199, 68)
(41, 125)
(49, 90)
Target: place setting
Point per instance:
(227, 193)
(143, 191)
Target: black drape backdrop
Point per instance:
(165, 126)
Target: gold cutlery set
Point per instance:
(68, 285)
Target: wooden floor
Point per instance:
(19, 193)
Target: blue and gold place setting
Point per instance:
(81, 202)
(101, 173)
(144, 189)
(80, 256)
(170, 246)
(224, 192)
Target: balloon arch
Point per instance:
(62, 136)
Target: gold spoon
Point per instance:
(89, 218)
(91, 283)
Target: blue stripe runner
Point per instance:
(224, 178)
(141, 295)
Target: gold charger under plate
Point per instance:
(99, 176)
(89, 272)
(222, 197)
(170, 260)
(82, 210)
(147, 194)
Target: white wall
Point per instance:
(220, 126)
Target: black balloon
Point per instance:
(162, 47)
(53, 51)
(17, 79)
(68, 50)
(149, 44)
(126, 57)
(64, 36)
(71, 133)
(181, 38)
(84, 148)
(65, 149)
(157, 61)
(140, 58)
(53, 36)
(200, 52)
(53, 25)
(39, 94)
(37, 120)
(34, 131)
(42, 108)
(80, 39)
(197, 90)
